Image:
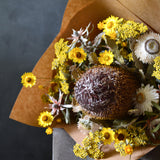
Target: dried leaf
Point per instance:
(93, 59)
(149, 71)
(138, 63)
(75, 72)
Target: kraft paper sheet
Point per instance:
(79, 13)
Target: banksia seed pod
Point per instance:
(106, 92)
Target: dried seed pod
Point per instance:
(106, 92)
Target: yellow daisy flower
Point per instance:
(45, 119)
(108, 135)
(121, 135)
(106, 57)
(128, 149)
(49, 130)
(112, 34)
(110, 24)
(100, 25)
(28, 79)
(77, 55)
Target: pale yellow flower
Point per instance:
(106, 57)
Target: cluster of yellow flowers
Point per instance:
(156, 73)
(61, 49)
(137, 136)
(130, 29)
(119, 29)
(91, 146)
(124, 141)
(59, 63)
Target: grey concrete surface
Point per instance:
(62, 146)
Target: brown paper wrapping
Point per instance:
(78, 14)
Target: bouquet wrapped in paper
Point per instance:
(100, 78)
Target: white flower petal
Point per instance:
(140, 50)
(151, 95)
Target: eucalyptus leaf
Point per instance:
(120, 124)
(138, 63)
(149, 114)
(98, 40)
(156, 128)
(156, 105)
(64, 114)
(67, 105)
(67, 117)
(149, 71)
(152, 134)
(118, 56)
(70, 97)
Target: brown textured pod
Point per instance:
(106, 92)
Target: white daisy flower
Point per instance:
(147, 47)
(144, 98)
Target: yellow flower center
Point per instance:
(78, 55)
(29, 80)
(140, 98)
(106, 135)
(44, 118)
(110, 24)
(120, 137)
(128, 149)
(107, 58)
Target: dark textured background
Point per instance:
(27, 27)
(26, 30)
